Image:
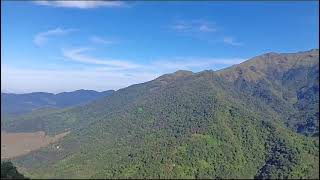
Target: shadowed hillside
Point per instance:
(240, 122)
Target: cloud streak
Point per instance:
(193, 26)
(79, 56)
(42, 37)
(22, 80)
(106, 73)
(81, 4)
(201, 28)
(160, 65)
(231, 41)
(100, 40)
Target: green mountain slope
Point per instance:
(227, 124)
(288, 83)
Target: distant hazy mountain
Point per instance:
(23, 103)
(240, 122)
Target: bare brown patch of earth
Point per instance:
(17, 144)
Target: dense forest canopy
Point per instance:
(9, 171)
(258, 119)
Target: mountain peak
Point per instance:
(314, 50)
(187, 121)
(182, 72)
(175, 75)
(270, 64)
(311, 52)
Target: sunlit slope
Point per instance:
(288, 83)
(191, 125)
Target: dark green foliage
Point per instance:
(189, 125)
(9, 171)
(287, 83)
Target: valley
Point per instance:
(16, 144)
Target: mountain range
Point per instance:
(22, 103)
(257, 119)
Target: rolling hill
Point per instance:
(252, 120)
(24, 103)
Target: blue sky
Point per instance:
(67, 45)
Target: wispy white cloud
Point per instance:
(23, 80)
(78, 55)
(105, 73)
(194, 26)
(42, 37)
(156, 65)
(104, 77)
(231, 41)
(206, 28)
(100, 40)
(181, 26)
(81, 4)
(198, 28)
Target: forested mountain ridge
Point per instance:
(288, 83)
(231, 123)
(23, 103)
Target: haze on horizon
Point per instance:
(64, 46)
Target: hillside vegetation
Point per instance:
(9, 171)
(252, 120)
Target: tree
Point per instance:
(9, 171)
